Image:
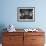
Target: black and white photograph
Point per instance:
(26, 14)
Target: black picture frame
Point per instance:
(26, 14)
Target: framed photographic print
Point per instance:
(26, 14)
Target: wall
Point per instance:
(9, 13)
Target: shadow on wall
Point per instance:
(2, 26)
